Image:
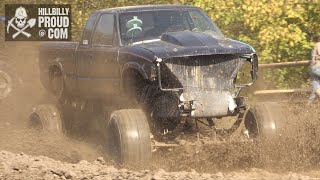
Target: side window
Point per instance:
(198, 21)
(88, 29)
(103, 34)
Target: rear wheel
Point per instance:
(46, 118)
(129, 137)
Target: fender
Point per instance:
(136, 66)
(44, 74)
(57, 62)
(45, 71)
(69, 79)
(132, 65)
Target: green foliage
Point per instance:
(280, 31)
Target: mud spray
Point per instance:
(298, 149)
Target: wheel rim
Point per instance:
(5, 84)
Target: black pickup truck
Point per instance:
(159, 67)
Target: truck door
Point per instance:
(84, 55)
(100, 70)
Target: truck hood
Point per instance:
(186, 43)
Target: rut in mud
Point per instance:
(298, 150)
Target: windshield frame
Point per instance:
(204, 15)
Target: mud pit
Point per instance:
(27, 154)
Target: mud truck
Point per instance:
(150, 70)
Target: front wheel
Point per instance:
(265, 124)
(129, 137)
(264, 121)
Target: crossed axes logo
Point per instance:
(20, 24)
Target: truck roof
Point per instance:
(145, 8)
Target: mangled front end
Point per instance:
(202, 86)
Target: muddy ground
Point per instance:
(29, 154)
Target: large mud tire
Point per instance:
(129, 137)
(8, 80)
(46, 118)
(264, 121)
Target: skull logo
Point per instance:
(21, 17)
(20, 23)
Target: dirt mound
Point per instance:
(21, 166)
(34, 143)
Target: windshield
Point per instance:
(150, 25)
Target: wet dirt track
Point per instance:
(41, 156)
(21, 166)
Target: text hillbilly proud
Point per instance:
(55, 20)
